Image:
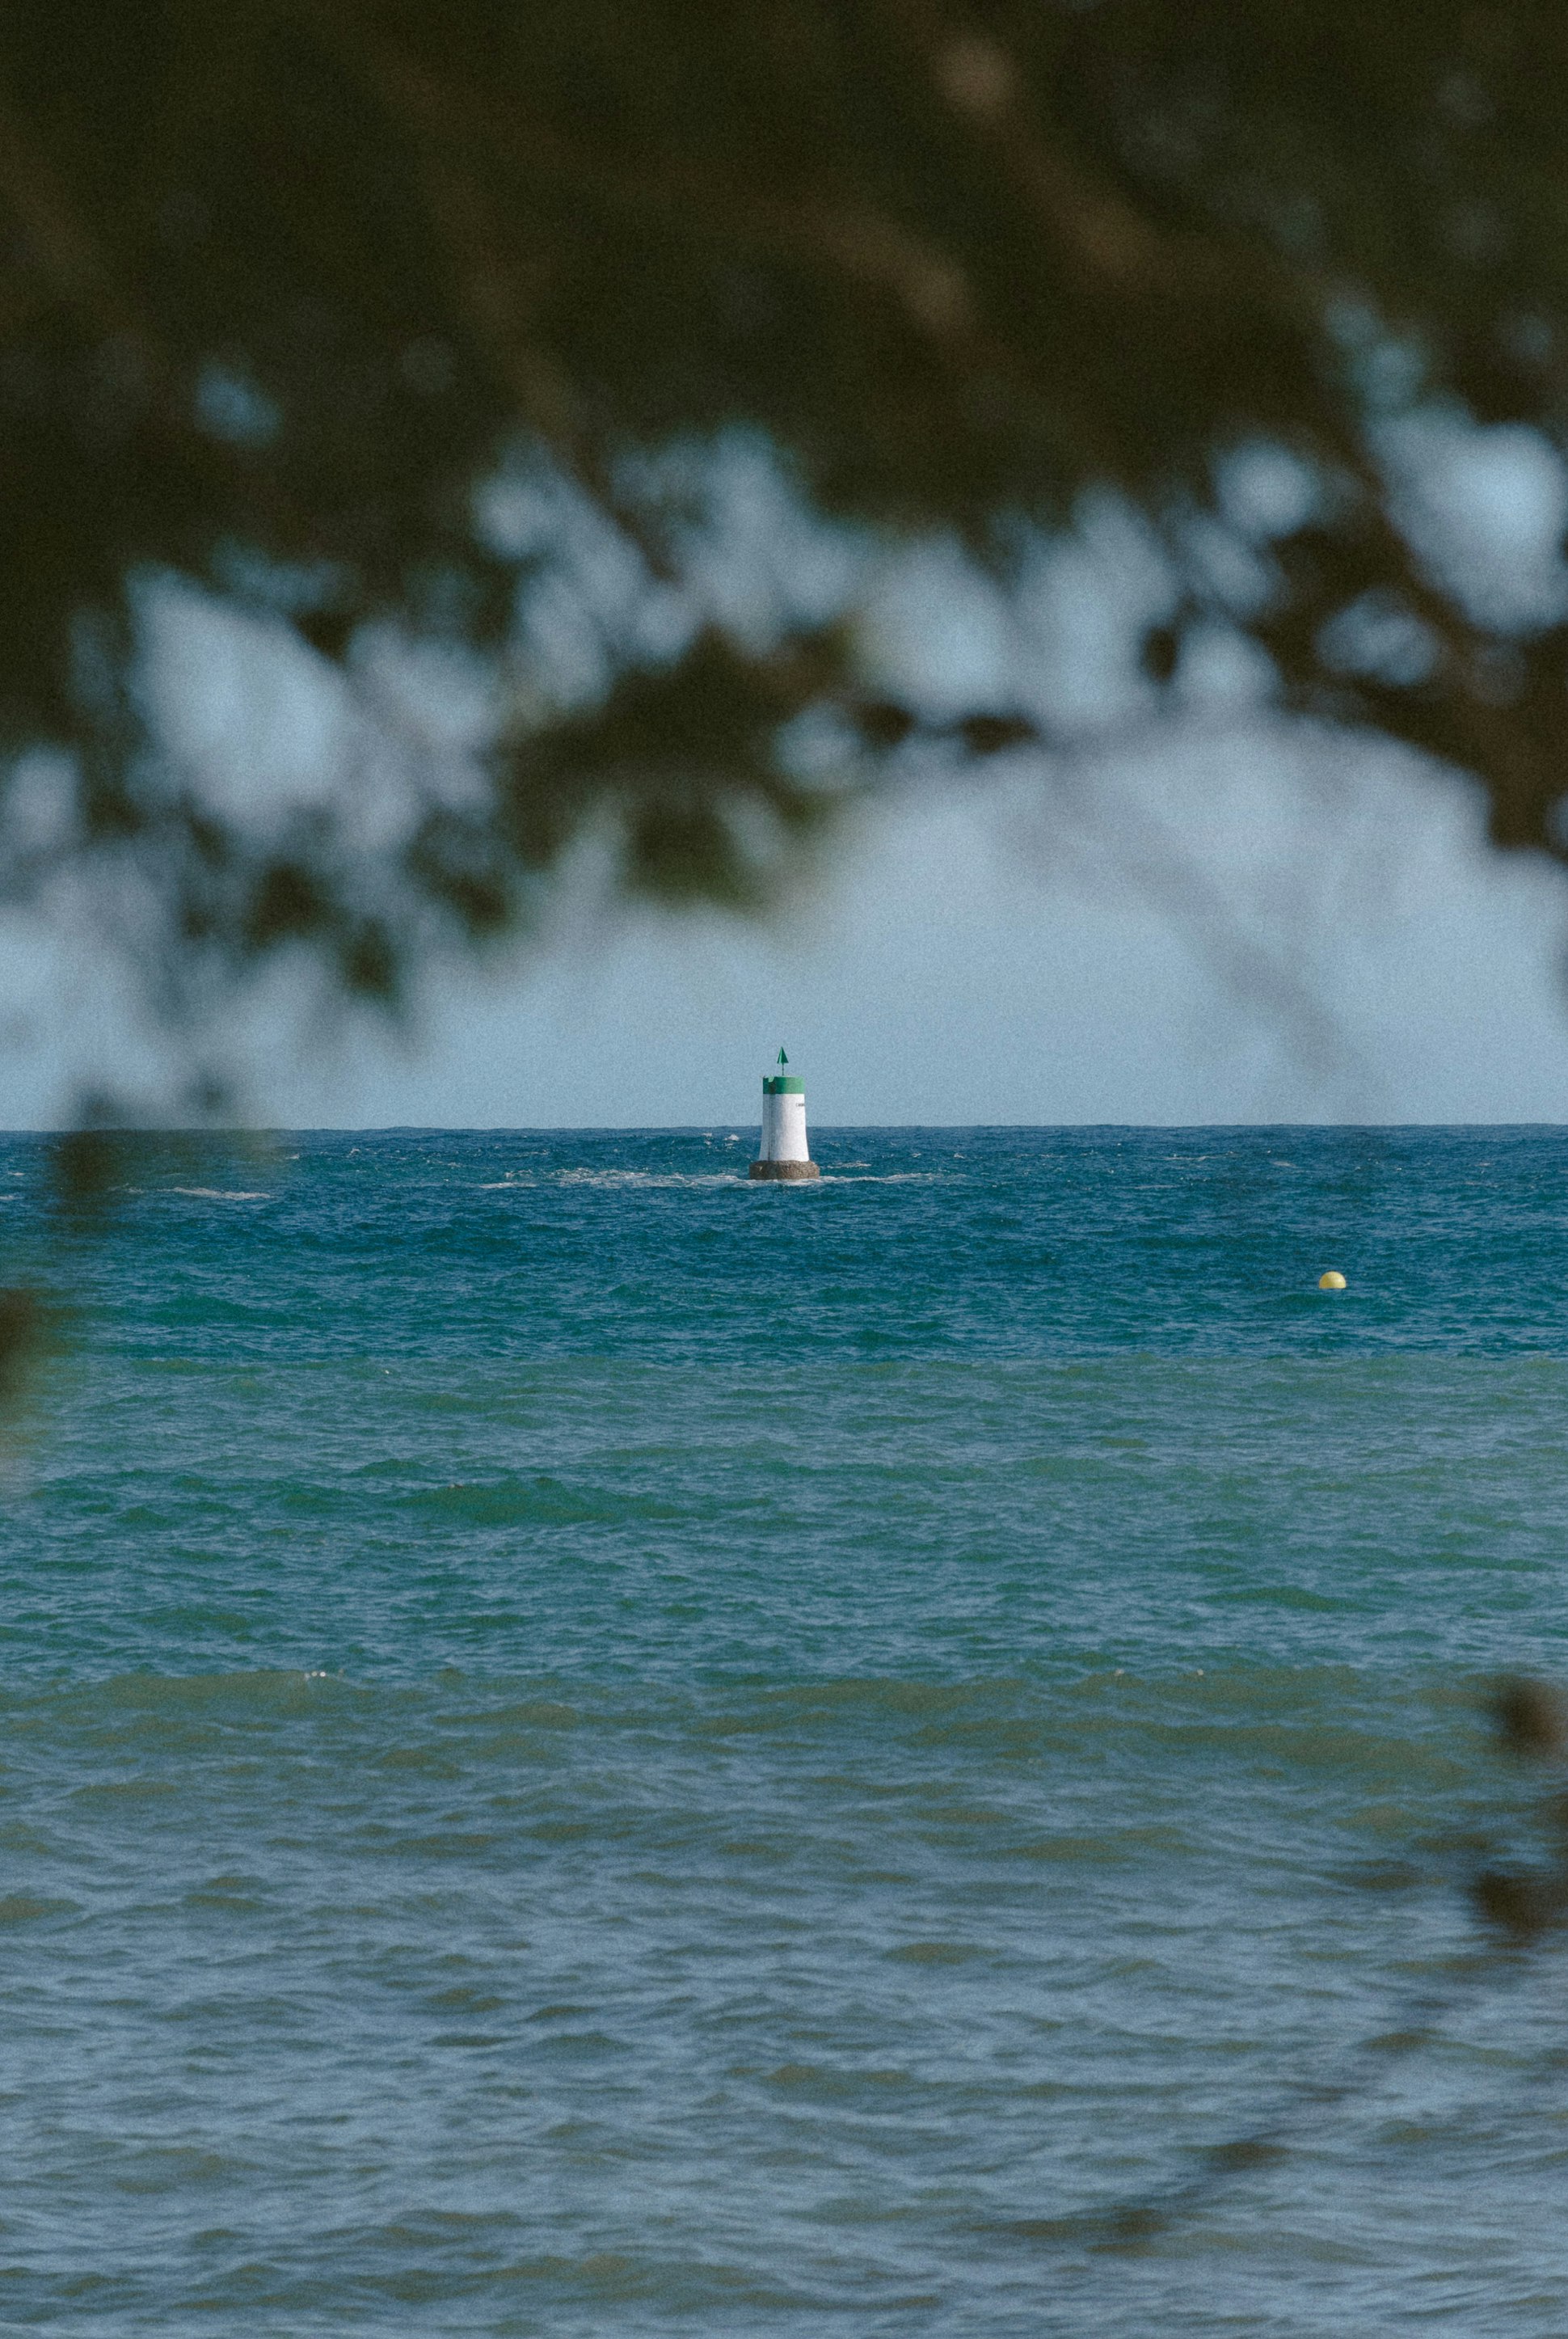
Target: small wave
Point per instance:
(540, 1500)
(26, 1908)
(884, 1178)
(218, 1194)
(614, 1178)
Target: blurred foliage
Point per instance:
(284, 282)
(1522, 1901)
(23, 1319)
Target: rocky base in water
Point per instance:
(785, 1169)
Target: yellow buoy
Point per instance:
(1332, 1281)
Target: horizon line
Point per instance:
(690, 1128)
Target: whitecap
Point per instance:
(884, 1178)
(616, 1177)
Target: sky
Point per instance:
(971, 962)
(1231, 934)
(1194, 911)
(1280, 939)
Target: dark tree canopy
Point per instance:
(282, 280)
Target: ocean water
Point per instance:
(589, 1748)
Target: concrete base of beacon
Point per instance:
(785, 1169)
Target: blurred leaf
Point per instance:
(284, 284)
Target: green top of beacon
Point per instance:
(784, 1153)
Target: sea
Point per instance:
(589, 1747)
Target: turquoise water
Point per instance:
(589, 1748)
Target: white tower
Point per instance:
(784, 1152)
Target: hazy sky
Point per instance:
(1314, 950)
(1222, 935)
(1223, 916)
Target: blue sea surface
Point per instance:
(588, 1747)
